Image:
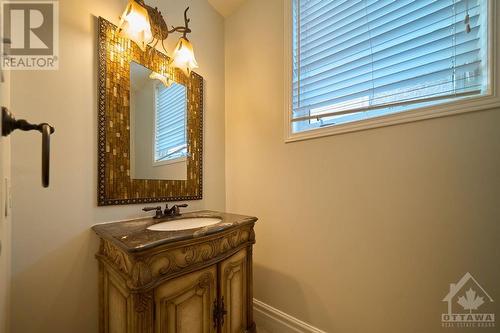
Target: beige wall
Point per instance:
(360, 232)
(54, 270)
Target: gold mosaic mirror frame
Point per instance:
(115, 187)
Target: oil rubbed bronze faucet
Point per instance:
(168, 212)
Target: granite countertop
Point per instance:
(133, 235)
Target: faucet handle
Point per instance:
(175, 211)
(148, 209)
(157, 209)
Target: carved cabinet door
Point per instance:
(233, 291)
(184, 305)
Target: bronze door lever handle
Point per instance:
(10, 124)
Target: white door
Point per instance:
(5, 225)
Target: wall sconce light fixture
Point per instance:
(145, 26)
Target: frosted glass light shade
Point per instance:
(134, 24)
(183, 57)
(166, 80)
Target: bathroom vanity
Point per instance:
(182, 274)
(197, 280)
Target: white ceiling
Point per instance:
(226, 7)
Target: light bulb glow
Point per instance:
(134, 24)
(183, 57)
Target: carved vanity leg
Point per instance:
(143, 316)
(250, 323)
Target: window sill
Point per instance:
(465, 105)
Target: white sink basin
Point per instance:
(184, 224)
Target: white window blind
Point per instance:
(359, 59)
(170, 123)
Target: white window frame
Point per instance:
(489, 100)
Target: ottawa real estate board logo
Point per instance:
(30, 35)
(469, 305)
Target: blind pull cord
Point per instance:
(467, 17)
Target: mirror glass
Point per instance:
(158, 140)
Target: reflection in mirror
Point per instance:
(158, 140)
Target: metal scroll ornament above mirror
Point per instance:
(150, 125)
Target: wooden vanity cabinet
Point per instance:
(202, 285)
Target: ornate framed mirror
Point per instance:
(150, 130)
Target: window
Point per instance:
(170, 123)
(361, 61)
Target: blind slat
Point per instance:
(412, 57)
(367, 89)
(399, 72)
(367, 38)
(422, 46)
(436, 89)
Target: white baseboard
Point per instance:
(272, 320)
